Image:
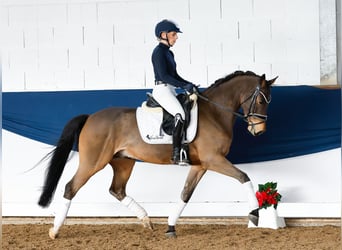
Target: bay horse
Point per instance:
(111, 136)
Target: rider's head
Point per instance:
(166, 31)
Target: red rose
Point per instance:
(267, 195)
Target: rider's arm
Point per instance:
(161, 62)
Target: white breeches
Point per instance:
(165, 94)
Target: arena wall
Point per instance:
(309, 184)
(89, 44)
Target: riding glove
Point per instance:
(191, 88)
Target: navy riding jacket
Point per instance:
(164, 66)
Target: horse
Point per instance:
(111, 136)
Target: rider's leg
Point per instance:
(166, 96)
(178, 157)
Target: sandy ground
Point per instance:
(189, 236)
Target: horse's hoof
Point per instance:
(254, 217)
(171, 234)
(52, 233)
(147, 222)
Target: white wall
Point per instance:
(89, 44)
(310, 186)
(328, 40)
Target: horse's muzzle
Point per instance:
(256, 127)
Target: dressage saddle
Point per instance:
(168, 119)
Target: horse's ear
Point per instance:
(270, 82)
(263, 80)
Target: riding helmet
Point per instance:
(166, 26)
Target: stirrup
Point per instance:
(183, 158)
(180, 158)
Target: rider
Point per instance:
(167, 80)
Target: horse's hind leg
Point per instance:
(122, 168)
(91, 161)
(80, 178)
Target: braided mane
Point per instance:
(231, 76)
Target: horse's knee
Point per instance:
(243, 178)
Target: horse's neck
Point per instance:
(223, 101)
(225, 95)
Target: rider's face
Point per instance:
(171, 36)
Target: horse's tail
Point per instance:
(60, 156)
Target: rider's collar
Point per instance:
(164, 44)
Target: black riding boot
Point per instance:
(179, 155)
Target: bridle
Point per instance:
(251, 110)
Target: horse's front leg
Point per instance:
(223, 166)
(194, 176)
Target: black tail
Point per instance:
(60, 156)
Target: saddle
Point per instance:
(156, 124)
(168, 119)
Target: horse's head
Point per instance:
(255, 105)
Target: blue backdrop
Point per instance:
(302, 119)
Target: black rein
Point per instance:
(238, 114)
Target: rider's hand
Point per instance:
(190, 88)
(195, 89)
(192, 91)
(193, 97)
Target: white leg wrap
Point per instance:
(252, 200)
(132, 205)
(61, 215)
(176, 213)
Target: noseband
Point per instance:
(251, 110)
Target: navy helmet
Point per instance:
(166, 26)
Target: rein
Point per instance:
(238, 114)
(251, 108)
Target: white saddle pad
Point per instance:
(149, 123)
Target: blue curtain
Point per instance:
(302, 119)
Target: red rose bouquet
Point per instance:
(268, 195)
